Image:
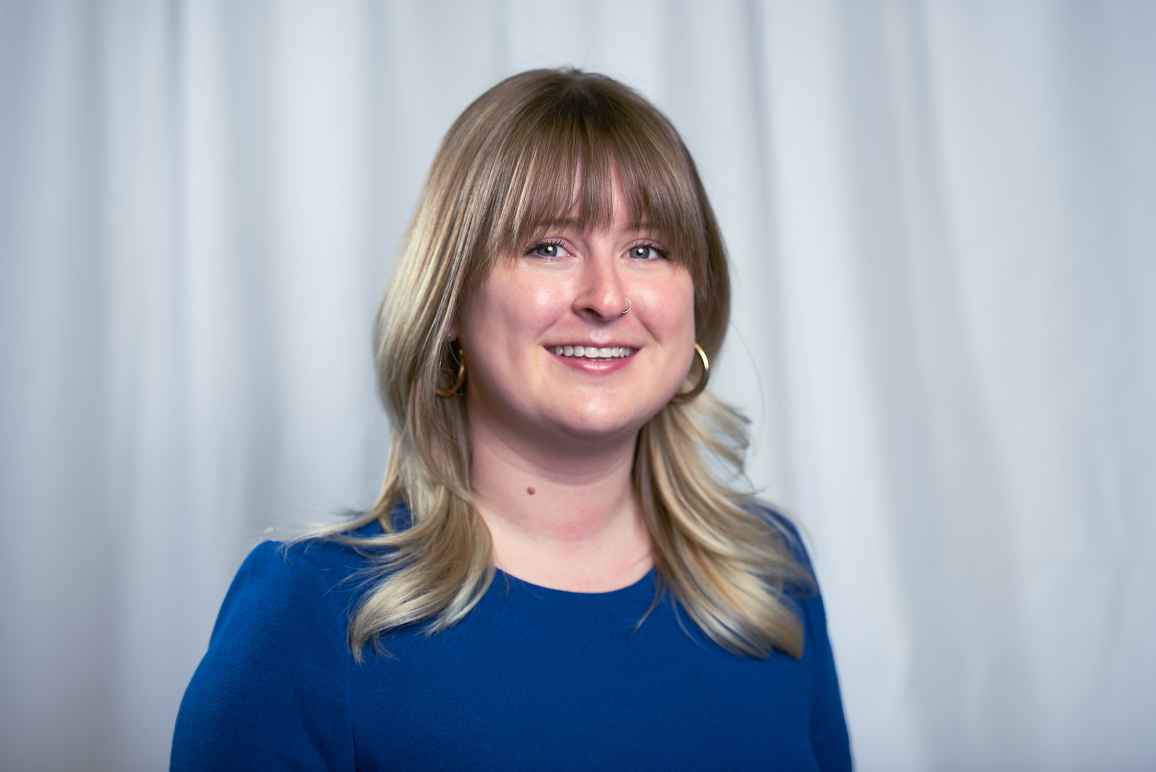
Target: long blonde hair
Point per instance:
(506, 166)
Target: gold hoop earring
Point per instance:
(704, 360)
(452, 391)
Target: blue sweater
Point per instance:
(532, 678)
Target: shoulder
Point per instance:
(284, 588)
(274, 681)
(288, 604)
(297, 594)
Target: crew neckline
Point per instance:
(644, 581)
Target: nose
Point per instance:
(602, 295)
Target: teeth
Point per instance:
(593, 352)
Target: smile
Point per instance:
(593, 352)
(593, 360)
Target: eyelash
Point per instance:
(662, 254)
(548, 243)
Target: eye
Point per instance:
(551, 250)
(647, 252)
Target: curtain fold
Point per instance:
(940, 223)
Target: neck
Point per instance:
(564, 519)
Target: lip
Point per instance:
(593, 366)
(595, 344)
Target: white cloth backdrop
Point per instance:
(941, 223)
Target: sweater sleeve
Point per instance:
(830, 742)
(829, 739)
(272, 689)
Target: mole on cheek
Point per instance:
(531, 491)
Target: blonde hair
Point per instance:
(505, 167)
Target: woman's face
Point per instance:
(550, 353)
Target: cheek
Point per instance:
(540, 304)
(531, 308)
(507, 313)
(670, 310)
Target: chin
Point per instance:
(596, 424)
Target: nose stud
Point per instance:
(626, 310)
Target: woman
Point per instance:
(556, 573)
